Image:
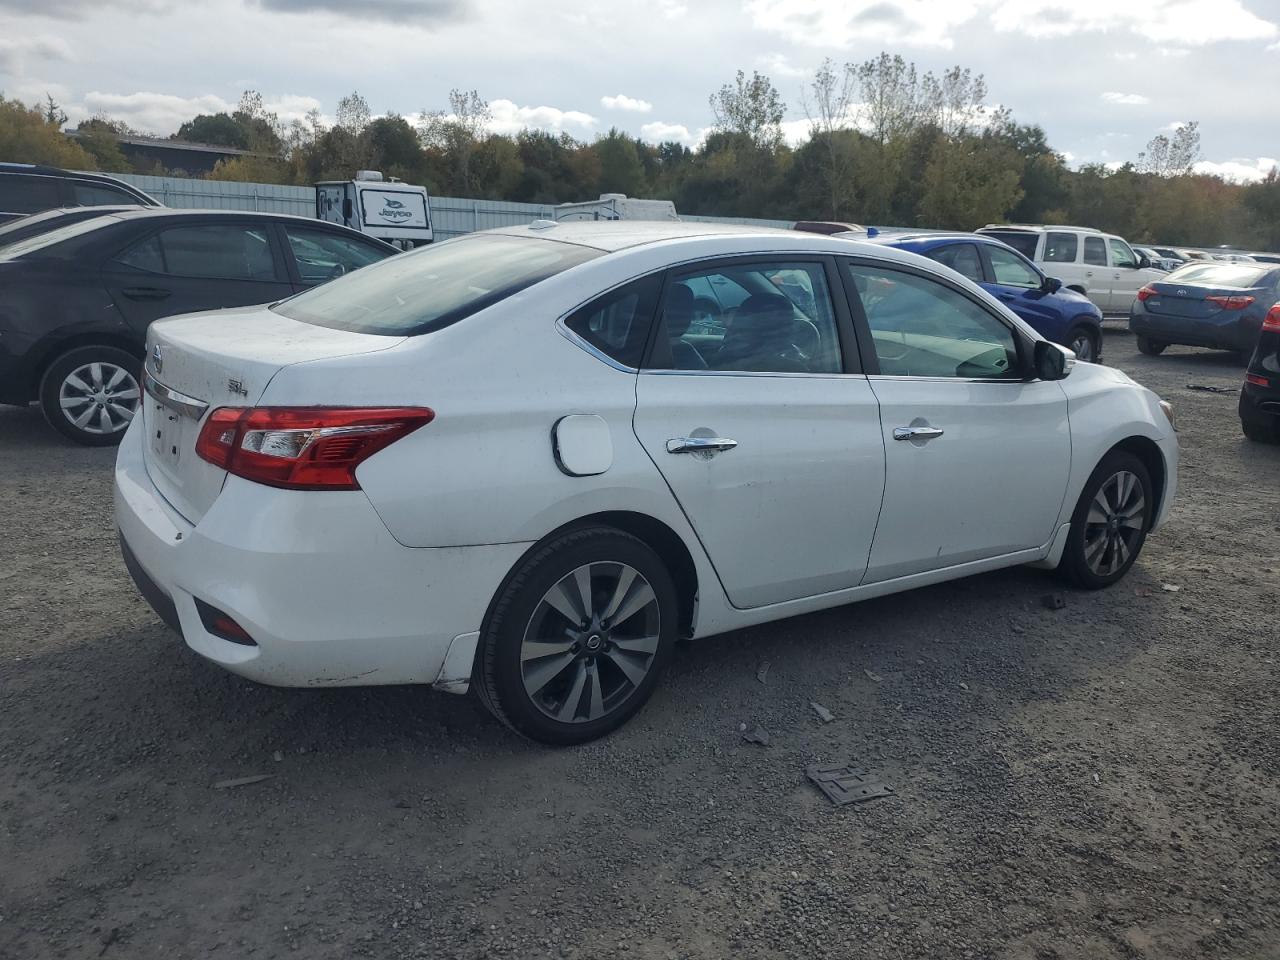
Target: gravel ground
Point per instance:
(1091, 782)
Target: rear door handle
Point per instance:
(146, 293)
(708, 445)
(917, 433)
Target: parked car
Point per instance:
(1100, 265)
(75, 302)
(1063, 316)
(500, 462)
(1211, 304)
(1157, 261)
(1260, 396)
(1169, 253)
(29, 188)
(33, 224)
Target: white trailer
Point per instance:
(396, 212)
(617, 206)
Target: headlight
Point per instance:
(1167, 409)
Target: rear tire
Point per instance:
(1152, 348)
(577, 637)
(1110, 522)
(90, 394)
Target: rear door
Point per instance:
(977, 458)
(765, 431)
(194, 266)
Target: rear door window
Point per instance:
(1095, 251)
(1024, 241)
(93, 195)
(210, 251)
(1061, 247)
(24, 194)
(960, 257)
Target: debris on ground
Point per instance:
(277, 756)
(1054, 601)
(825, 715)
(763, 672)
(845, 785)
(872, 676)
(758, 735)
(241, 781)
(1207, 388)
(1170, 587)
(963, 685)
(1142, 591)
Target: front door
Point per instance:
(764, 431)
(196, 266)
(976, 458)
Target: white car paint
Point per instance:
(390, 583)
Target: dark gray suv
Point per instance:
(29, 188)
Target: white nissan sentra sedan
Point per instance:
(527, 461)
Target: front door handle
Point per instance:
(146, 293)
(917, 433)
(704, 445)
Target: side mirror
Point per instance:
(1143, 261)
(1051, 285)
(1050, 361)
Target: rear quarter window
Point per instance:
(1021, 240)
(434, 286)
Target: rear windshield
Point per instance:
(1020, 240)
(434, 286)
(1220, 274)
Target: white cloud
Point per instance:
(16, 52)
(777, 65)
(820, 23)
(1128, 99)
(623, 102)
(160, 113)
(1241, 169)
(673, 9)
(925, 23)
(659, 132)
(1181, 23)
(509, 117)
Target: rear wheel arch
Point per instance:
(51, 353)
(1078, 288)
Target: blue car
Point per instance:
(1057, 314)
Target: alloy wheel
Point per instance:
(99, 397)
(590, 642)
(1115, 522)
(1082, 345)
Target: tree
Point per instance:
(353, 113)
(1172, 157)
(750, 108)
(393, 145)
(26, 136)
(620, 168)
(829, 107)
(1261, 201)
(53, 113)
(218, 129)
(100, 136)
(456, 134)
(969, 181)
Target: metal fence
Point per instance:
(450, 216)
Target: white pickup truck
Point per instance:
(1100, 265)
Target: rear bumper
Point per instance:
(328, 596)
(1236, 334)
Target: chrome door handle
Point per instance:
(700, 444)
(916, 433)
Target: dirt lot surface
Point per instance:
(1097, 781)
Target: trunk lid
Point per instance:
(1191, 301)
(225, 358)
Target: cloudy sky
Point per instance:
(1101, 76)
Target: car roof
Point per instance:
(614, 235)
(923, 238)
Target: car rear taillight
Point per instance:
(1272, 323)
(303, 448)
(1147, 292)
(1230, 303)
(1256, 380)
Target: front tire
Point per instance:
(577, 637)
(90, 394)
(1152, 348)
(1110, 522)
(1086, 343)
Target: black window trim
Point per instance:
(850, 352)
(1022, 343)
